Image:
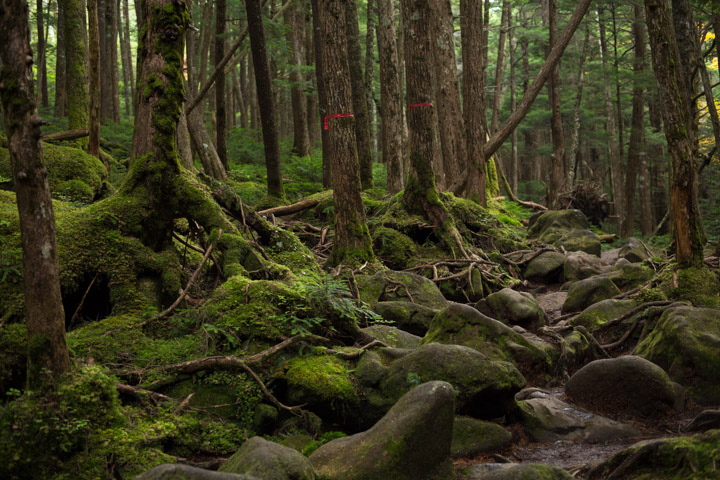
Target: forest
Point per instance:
(359, 239)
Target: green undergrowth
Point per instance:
(83, 432)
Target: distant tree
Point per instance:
(76, 73)
(295, 20)
(94, 79)
(47, 350)
(220, 106)
(266, 101)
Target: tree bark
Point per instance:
(318, 46)
(94, 79)
(75, 65)
(352, 237)
(637, 131)
(126, 51)
(513, 170)
(60, 106)
(557, 175)
(499, 65)
(370, 72)
(471, 22)
(390, 97)
(613, 149)
(295, 20)
(47, 350)
(574, 150)
(113, 49)
(42, 56)
(218, 54)
(359, 96)
(672, 90)
(266, 101)
(451, 126)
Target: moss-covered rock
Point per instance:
(584, 293)
(636, 251)
(513, 307)
(597, 314)
(174, 471)
(512, 471)
(581, 265)
(460, 324)
(628, 385)
(685, 344)
(395, 249)
(408, 316)
(392, 286)
(393, 337)
(549, 226)
(72, 174)
(580, 241)
(485, 387)
(269, 461)
(547, 419)
(695, 457)
(698, 285)
(411, 442)
(546, 268)
(472, 437)
(629, 275)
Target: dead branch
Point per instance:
(284, 210)
(82, 302)
(294, 410)
(142, 393)
(66, 135)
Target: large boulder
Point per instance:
(513, 307)
(686, 344)
(393, 337)
(547, 419)
(705, 420)
(388, 285)
(696, 457)
(597, 314)
(171, 471)
(635, 251)
(463, 325)
(629, 275)
(581, 265)
(546, 268)
(472, 437)
(624, 385)
(269, 461)
(584, 293)
(408, 316)
(513, 471)
(412, 441)
(550, 225)
(485, 387)
(580, 241)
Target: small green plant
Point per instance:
(324, 438)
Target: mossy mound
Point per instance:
(584, 293)
(395, 249)
(269, 461)
(698, 285)
(695, 457)
(73, 175)
(472, 437)
(597, 314)
(685, 344)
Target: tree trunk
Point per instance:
(658, 178)
(673, 94)
(352, 238)
(129, 77)
(42, 55)
(47, 350)
(94, 79)
(637, 132)
(106, 104)
(218, 54)
(295, 20)
(451, 126)
(390, 97)
(75, 65)
(266, 102)
(205, 36)
(557, 175)
(499, 65)
(113, 48)
(370, 71)
(613, 150)
(513, 171)
(60, 107)
(359, 96)
(318, 47)
(687, 41)
(471, 22)
(574, 150)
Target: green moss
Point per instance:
(492, 186)
(13, 357)
(324, 378)
(698, 285)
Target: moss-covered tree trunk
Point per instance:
(47, 351)
(220, 107)
(60, 107)
(76, 74)
(352, 238)
(674, 98)
(390, 97)
(266, 101)
(94, 79)
(322, 95)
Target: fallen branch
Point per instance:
(82, 302)
(66, 135)
(142, 393)
(284, 210)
